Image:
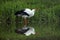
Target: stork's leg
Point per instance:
(25, 22)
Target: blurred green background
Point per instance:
(46, 20)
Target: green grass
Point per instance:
(46, 20)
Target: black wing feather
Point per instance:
(21, 13)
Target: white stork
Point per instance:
(26, 13)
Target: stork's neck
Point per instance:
(33, 10)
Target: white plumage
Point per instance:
(30, 12)
(26, 13)
(26, 30)
(30, 31)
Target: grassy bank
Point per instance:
(46, 20)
